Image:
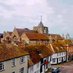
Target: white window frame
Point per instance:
(53, 59)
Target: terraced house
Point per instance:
(32, 51)
(39, 61)
(21, 59)
(6, 37)
(13, 59)
(34, 38)
(68, 45)
(39, 35)
(59, 53)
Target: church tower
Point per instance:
(41, 28)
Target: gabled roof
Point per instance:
(56, 36)
(21, 31)
(56, 47)
(36, 36)
(37, 52)
(9, 51)
(69, 42)
(65, 42)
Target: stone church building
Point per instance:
(41, 28)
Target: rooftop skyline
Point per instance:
(56, 14)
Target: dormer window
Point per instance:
(1, 66)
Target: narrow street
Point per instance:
(65, 67)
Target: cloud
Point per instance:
(57, 14)
(25, 8)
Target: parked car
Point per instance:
(55, 70)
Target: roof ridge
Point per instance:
(52, 47)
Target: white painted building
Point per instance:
(16, 65)
(34, 68)
(40, 57)
(13, 60)
(41, 67)
(59, 54)
(45, 62)
(58, 58)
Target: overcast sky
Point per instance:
(56, 14)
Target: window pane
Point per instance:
(1, 66)
(22, 59)
(22, 70)
(13, 62)
(13, 72)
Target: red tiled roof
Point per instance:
(36, 36)
(56, 47)
(38, 52)
(9, 51)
